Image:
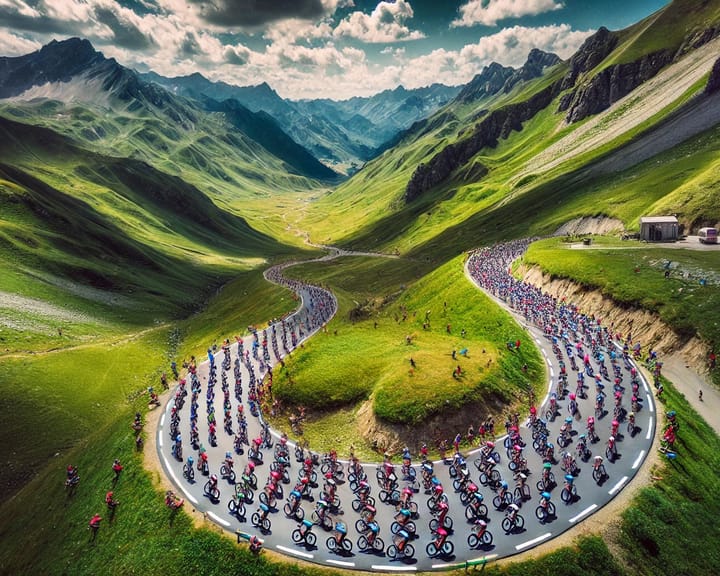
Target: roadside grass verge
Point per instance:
(144, 537)
(672, 523)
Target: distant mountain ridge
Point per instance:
(347, 132)
(72, 71)
(496, 78)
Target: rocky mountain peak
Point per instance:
(54, 62)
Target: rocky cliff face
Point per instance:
(593, 51)
(713, 84)
(495, 78)
(490, 81)
(611, 84)
(55, 62)
(497, 124)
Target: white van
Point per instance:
(707, 235)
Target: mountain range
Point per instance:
(342, 134)
(435, 166)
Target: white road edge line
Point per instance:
(295, 552)
(645, 385)
(160, 441)
(537, 340)
(618, 485)
(638, 459)
(162, 420)
(340, 562)
(533, 541)
(218, 519)
(649, 432)
(552, 372)
(650, 403)
(394, 568)
(583, 513)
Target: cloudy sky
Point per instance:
(317, 48)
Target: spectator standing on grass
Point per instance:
(94, 525)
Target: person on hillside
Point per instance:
(117, 469)
(94, 526)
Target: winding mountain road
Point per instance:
(317, 307)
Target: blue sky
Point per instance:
(317, 48)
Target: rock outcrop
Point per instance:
(713, 83)
(495, 78)
(611, 84)
(497, 124)
(593, 51)
(490, 81)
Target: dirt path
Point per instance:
(690, 383)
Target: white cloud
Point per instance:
(386, 23)
(508, 47)
(19, 7)
(490, 12)
(16, 45)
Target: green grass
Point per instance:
(632, 274)
(369, 357)
(668, 528)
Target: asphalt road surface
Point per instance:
(591, 495)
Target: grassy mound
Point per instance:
(367, 349)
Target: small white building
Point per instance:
(659, 228)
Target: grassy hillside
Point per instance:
(365, 354)
(517, 174)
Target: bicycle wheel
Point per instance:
(497, 502)
(296, 536)
(487, 538)
(551, 509)
(331, 544)
(507, 525)
(378, 544)
(431, 549)
(392, 551)
(347, 546)
(495, 476)
(361, 526)
(299, 514)
(413, 507)
(410, 528)
(519, 522)
(310, 539)
(255, 519)
(473, 541)
(448, 548)
(566, 495)
(433, 524)
(540, 513)
(362, 543)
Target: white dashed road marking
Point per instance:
(618, 485)
(583, 513)
(533, 541)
